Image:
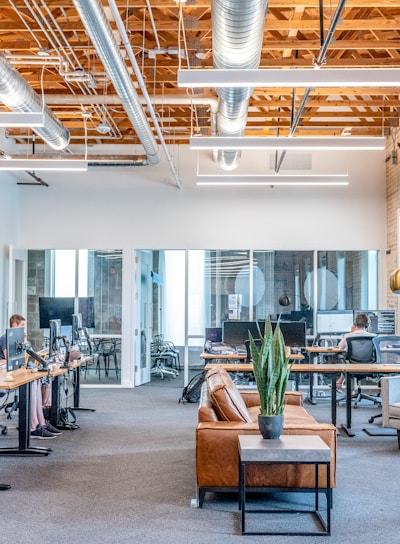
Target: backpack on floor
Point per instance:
(191, 393)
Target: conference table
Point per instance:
(333, 370)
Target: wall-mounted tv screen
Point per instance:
(55, 308)
(62, 308)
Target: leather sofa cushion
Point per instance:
(225, 397)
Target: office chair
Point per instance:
(257, 342)
(4, 404)
(391, 404)
(361, 349)
(387, 348)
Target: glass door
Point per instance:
(143, 309)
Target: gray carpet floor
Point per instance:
(127, 475)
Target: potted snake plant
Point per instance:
(271, 369)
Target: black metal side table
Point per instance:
(290, 450)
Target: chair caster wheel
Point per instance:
(4, 431)
(371, 420)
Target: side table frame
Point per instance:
(325, 523)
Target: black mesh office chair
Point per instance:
(361, 349)
(387, 348)
(257, 342)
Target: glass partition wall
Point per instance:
(195, 290)
(93, 281)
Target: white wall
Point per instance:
(142, 208)
(123, 207)
(9, 217)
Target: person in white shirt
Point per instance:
(359, 328)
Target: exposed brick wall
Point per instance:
(392, 207)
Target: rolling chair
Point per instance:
(248, 352)
(361, 349)
(391, 404)
(387, 348)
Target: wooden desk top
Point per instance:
(318, 349)
(241, 357)
(321, 368)
(16, 378)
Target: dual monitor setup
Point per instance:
(331, 322)
(17, 348)
(55, 313)
(338, 322)
(235, 333)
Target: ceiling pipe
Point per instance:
(19, 96)
(114, 100)
(127, 44)
(319, 61)
(237, 30)
(101, 34)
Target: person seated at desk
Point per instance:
(359, 328)
(40, 428)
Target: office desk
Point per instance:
(22, 379)
(314, 352)
(56, 373)
(76, 368)
(333, 370)
(239, 358)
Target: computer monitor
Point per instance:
(55, 338)
(55, 308)
(214, 334)
(334, 321)
(235, 333)
(294, 333)
(76, 329)
(382, 321)
(15, 347)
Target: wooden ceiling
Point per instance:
(78, 90)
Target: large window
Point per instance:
(250, 285)
(83, 274)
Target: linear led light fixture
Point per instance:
(12, 119)
(273, 180)
(71, 165)
(295, 77)
(287, 143)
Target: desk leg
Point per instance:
(310, 397)
(55, 401)
(333, 399)
(76, 380)
(24, 430)
(347, 427)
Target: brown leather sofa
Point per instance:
(224, 413)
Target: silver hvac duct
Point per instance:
(19, 96)
(100, 32)
(237, 29)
